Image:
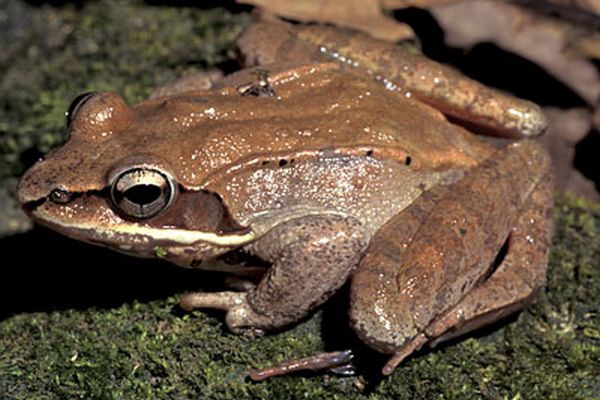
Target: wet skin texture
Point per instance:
(329, 162)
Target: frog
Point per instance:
(334, 157)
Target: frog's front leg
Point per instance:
(407, 285)
(312, 257)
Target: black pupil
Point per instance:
(143, 194)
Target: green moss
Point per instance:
(160, 252)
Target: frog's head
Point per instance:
(114, 184)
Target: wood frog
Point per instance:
(333, 161)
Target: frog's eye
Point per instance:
(76, 105)
(61, 196)
(142, 193)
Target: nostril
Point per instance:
(61, 196)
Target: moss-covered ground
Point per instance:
(81, 322)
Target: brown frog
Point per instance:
(331, 162)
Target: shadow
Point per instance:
(586, 153)
(49, 272)
(230, 5)
(339, 335)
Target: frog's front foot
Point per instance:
(240, 315)
(312, 257)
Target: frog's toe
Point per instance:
(242, 319)
(337, 362)
(218, 300)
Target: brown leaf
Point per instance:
(565, 129)
(543, 40)
(585, 42)
(365, 15)
(589, 46)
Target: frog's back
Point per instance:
(203, 137)
(323, 111)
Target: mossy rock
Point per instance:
(82, 322)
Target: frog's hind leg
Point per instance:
(517, 279)
(466, 101)
(461, 98)
(410, 278)
(513, 284)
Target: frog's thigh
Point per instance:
(372, 288)
(312, 257)
(517, 279)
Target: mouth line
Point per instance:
(30, 206)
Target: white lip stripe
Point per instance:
(187, 237)
(181, 236)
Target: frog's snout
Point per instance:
(28, 189)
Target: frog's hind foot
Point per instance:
(338, 362)
(400, 355)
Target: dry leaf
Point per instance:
(365, 15)
(565, 129)
(588, 45)
(584, 41)
(538, 38)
